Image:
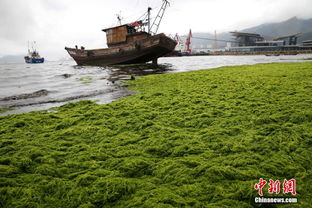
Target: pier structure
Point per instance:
(307, 43)
(289, 39)
(255, 43)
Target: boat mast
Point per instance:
(157, 20)
(33, 46)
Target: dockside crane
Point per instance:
(178, 39)
(188, 42)
(180, 43)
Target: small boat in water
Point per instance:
(33, 56)
(132, 43)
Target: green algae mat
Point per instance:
(195, 139)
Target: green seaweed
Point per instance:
(194, 139)
(3, 110)
(85, 80)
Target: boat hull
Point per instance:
(34, 60)
(140, 51)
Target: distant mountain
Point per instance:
(12, 59)
(269, 31)
(305, 36)
(288, 27)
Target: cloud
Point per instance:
(54, 5)
(15, 20)
(56, 23)
(225, 15)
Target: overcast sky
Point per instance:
(55, 24)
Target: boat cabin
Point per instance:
(125, 34)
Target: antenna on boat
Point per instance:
(149, 19)
(119, 18)
(34, 46)
(154, 28)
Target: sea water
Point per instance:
(29, 87)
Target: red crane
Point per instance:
(188, 42)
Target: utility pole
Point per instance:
(215, 44)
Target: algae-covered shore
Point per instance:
(194, 139)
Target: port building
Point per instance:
(253, 42)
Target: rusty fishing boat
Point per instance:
(133, 43)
